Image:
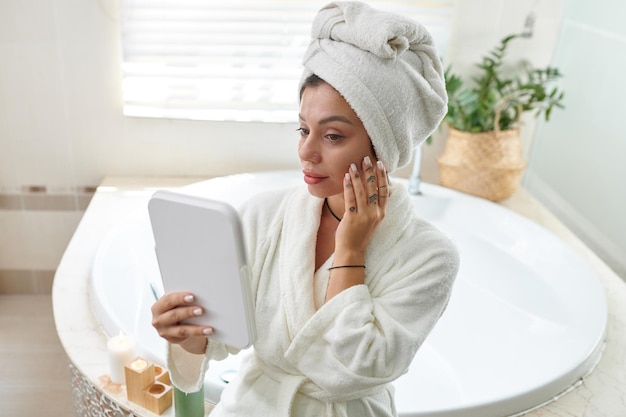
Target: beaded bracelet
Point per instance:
(347, 266)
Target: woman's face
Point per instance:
(332, 138)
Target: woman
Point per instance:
(348, 281)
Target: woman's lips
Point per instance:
(312, 178)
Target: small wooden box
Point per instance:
(139, 375)
(158, 397)
(147, 385)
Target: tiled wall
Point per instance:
(61, 126)
(35, 227)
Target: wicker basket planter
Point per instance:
(487, 165)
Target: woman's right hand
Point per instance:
(168, 313)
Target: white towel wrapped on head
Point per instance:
(387, 68)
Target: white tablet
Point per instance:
(200, 248)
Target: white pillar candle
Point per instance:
(121, 351)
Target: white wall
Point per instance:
(577, 165)
(61, 107)
(61, 125)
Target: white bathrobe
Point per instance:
(337, 358)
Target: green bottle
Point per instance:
(189, 405)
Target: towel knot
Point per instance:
(384, 34)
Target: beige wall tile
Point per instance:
(42, 282)
(49, 202)
(11, 202)
(47, 234)
(16, 282)
(35, 240)
(26, 281)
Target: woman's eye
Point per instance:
(333, 138)
(303, 131)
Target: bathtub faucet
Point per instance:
(415, 180)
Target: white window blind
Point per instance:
(236, 60)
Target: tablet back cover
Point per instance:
(199, 248)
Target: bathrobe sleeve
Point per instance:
(187, 370)
(369, 334)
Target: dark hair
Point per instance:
(311, 81)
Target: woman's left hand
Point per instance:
(365, 204)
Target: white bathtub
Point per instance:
(525, 323)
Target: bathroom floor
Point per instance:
(34, 374)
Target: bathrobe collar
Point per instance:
(297, 257)
(298, 237)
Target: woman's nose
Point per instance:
(307, 151)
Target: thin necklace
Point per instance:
(331, 210)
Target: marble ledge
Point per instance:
(601, 394)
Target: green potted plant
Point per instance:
(482, 155)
